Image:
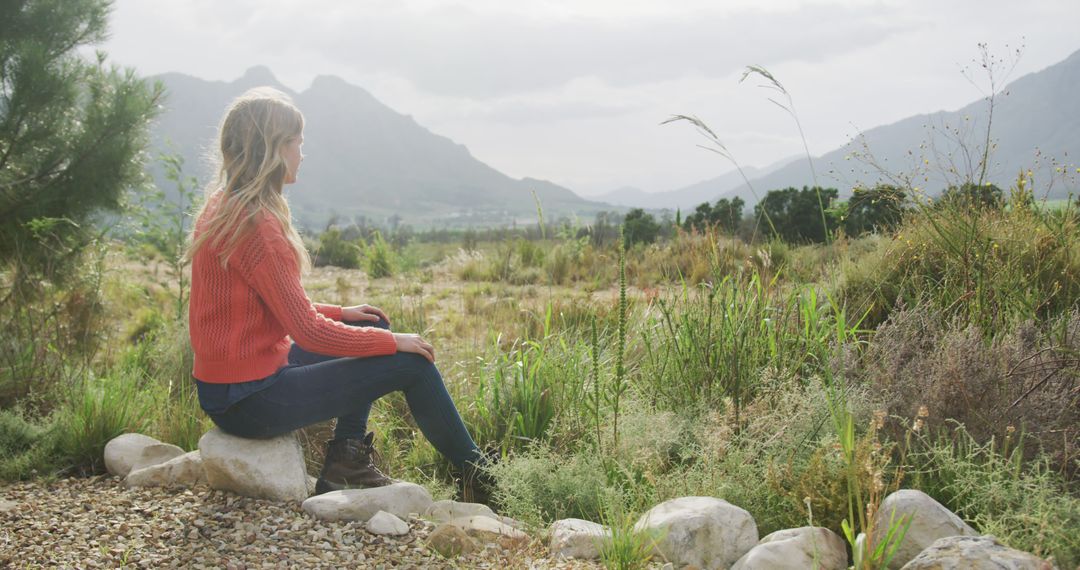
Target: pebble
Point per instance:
(97, 522)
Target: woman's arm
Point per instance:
(273, 273)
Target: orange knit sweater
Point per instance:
(242, 315)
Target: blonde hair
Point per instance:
(251, 173)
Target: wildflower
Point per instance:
(917, 425)
(923, 412)
(879, 419)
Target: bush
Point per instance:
(989, 267)
(335, 250)
(379, 258)
(95, 411)
(1023, 379)
(27, 447)
(1026, 506)
(540, 486)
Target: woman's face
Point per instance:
(293, 154)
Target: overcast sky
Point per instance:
(573, 91)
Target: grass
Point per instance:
(702, 365)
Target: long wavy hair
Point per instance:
(250, 175)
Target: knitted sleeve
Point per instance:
(269, 266)
(332, 312)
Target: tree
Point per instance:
(724, 215)
(639, 227)
(796, 214)
(971, 195)
(72, 132)
(874, 209)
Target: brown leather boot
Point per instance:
(349, 465)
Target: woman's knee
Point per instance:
(379, 324)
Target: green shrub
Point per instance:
(335, 250)
(27, 447)
(95, 410)
(540, 486)
(530, 254)
(380, 260)
(1023, 504)
(990, 267)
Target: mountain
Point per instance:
(363, 159)
(688, 197)
(1035, 120)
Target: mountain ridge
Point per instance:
(364, 160)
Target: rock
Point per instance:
(155, 454)
(383, 522)
(7, 506)
(261, 468)
(974, 553)
(931, 521)
(451, 541)
(576, 538)
(125, 450)
(446, 510)
(398, 499)
(487, 529)
(183, 471)
(796, 548)
(705, 532)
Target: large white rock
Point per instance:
(155, 454)
(262, 468)
(577, 538)
(796, 549)
(123, 451)
(183, 471)
(930, 520)
(385, 523)
(399, 499)
(446, 510)
(487, 529)
(706, 532)
(974, 553)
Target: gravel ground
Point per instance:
(98, 523)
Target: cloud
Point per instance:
(456, 51)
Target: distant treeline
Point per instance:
(793, 215)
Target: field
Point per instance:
(802, 383)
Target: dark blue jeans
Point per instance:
(314, 388)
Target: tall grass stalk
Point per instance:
(619, 385)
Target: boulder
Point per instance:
(125, 450)
(706, 532)
(385, 523)
(930, 520)
(399, 499)
(183, 471)
(261, 468)
(451, 541)
(155, 454)
(577, 538)
(487, 529)
(446, 510)
(795, 549)
(974, 553)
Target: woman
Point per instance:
(267, 360)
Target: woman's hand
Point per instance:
(408, 342)
(363, 313)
